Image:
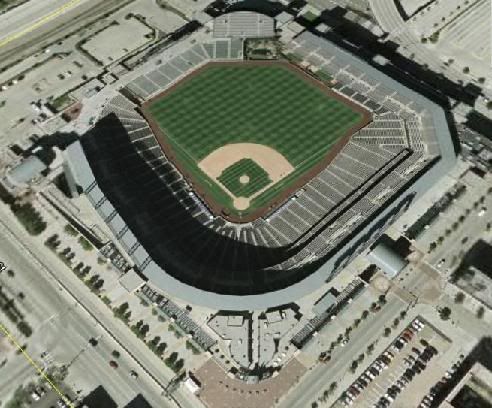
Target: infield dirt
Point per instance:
(200, 187)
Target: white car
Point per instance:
(388, 397)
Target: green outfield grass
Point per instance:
(266, 104)
(258, 178)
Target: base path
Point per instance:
(274, 163)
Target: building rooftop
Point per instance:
(26, 171)
(387, 259)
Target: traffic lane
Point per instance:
(28, 281)
(323, 374)
(26, 14)
(65, 336)
(68, 22)
(143, 356)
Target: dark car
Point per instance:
(113, 364)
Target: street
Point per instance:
(63, 328)
(154, 374)
(36, 24)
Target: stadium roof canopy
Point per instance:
(244, 24)
(92, 173)
(387, 259)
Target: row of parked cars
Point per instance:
(430, 399)
(379, 364)
(413, 364)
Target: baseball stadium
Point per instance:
(233, 129)
(246, 184)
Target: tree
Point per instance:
(85, 244)
(71, 230)
(127, 315)
(370, 348)
(155, 341)
(480, 312)
(466, 70)
(93, 279)
(144, 329)
(403, 313)
(122, 308)
(115, 354)
(432, 246)
(364, 315)
(25, 329)
(444, 313)
(173, 357)
(29, 218)
(179, 365)
(387, 331)
(139, 324)
(382, 299)
(459, 298)
(10, 273)
(354, 366)
(98, 284)
(161, 348)
(489, 105)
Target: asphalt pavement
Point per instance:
(322, 375)
(63, 328)
(36, 24)
(98, 318)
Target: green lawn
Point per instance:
(268, 104)
(231, 178)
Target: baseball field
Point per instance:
(248, 134)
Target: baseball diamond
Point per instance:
(244, 178)
(267, 122)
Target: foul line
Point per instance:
(40, 22)
(41, 372)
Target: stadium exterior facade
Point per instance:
(187, 252)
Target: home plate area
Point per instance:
(245, 170)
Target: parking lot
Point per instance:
(398, 377)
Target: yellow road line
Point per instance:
(40, 22)
(41, 372)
